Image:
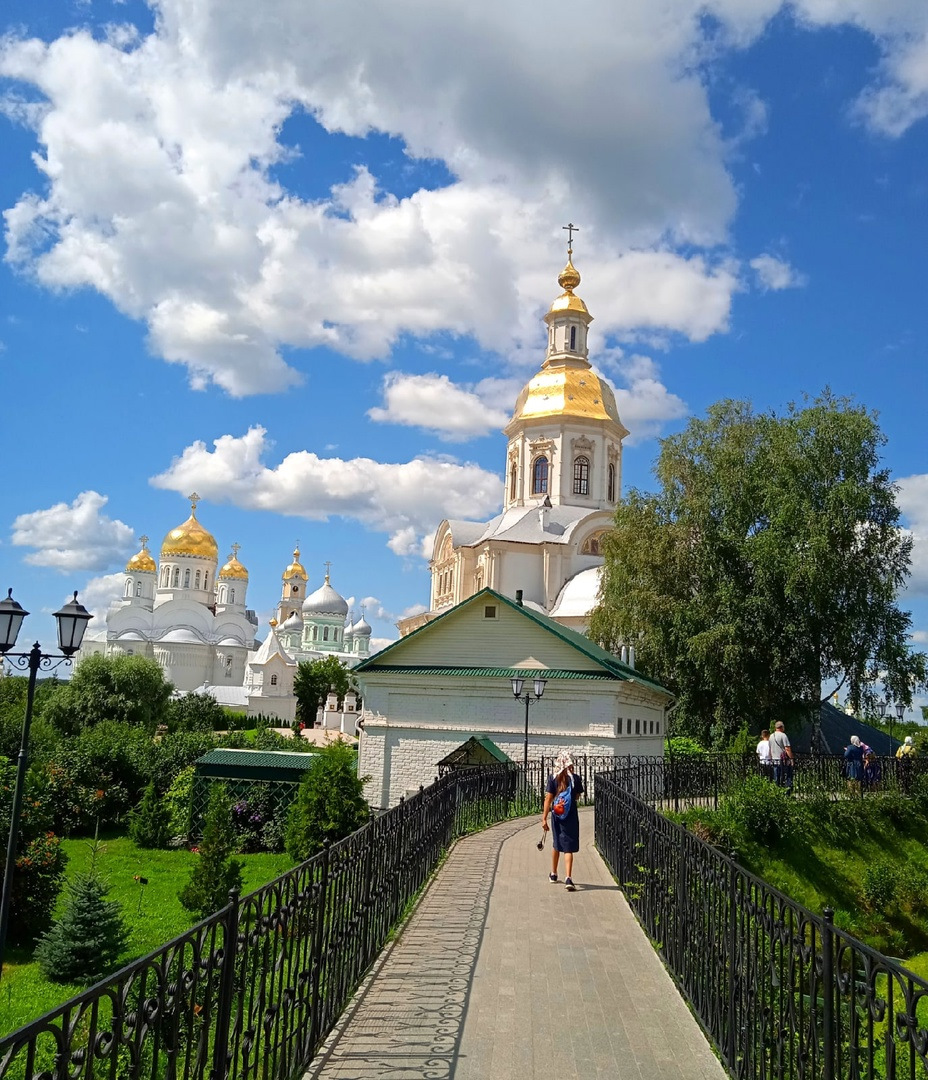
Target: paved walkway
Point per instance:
(499, 974)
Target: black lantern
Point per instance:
(72, 622)
(540, 685)
(900, 710)
(11, 619)
(517, 685)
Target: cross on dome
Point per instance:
(143, 540)
(571, 229)
(328, 567)
(236, 548)
(194, 499)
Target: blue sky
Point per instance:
(298, 260)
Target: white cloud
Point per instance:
(378, 643)
(434, 403)
(775, 274)
(646, 405)
(73, 537)
(404, 500)
(913, 501)
(920, 637)
(99, 595)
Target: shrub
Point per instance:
(330, 803)
(195, 712)
(265, 739)
(175, 752)
(215, 872)
(178, 803)
(37, 882)
(683, 746)
(88, 939)
(760, 810)
(880, 883)
(149, 823)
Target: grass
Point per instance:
(152, 912)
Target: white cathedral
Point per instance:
(190, 615)
(563, 478)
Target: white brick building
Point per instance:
(431, 690)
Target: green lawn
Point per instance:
(152, 912)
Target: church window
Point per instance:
(196, 583)
(273, 680)
(187, 579)
(231, 596)
(325, 633)
(513, 480)
(610, 486)
(176, 582)
(540, 476)
(208, 582)
(221, 596)
(581, 476)
(129, 587)
(138, 588)
(573, 337)
(294, 590)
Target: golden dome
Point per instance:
(233, 568)
(190, 538)
(562, 390)
(295, 569)
(272, 623)
(142, 561)
(568, 279)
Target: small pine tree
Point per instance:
(216, 872)
(330, 803)
(149, 825)
(85, 943)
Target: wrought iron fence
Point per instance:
(782, 992)
(251, 992)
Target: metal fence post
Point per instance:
(828, 994)
(226, 1000)
(318, 934)
(732, 962)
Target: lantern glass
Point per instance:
(900, 710)
(882, 706)
(72, 622)
(517, 685)
(11, 619)
(540, 686)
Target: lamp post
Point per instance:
(529, 698)
(900, 712)
(72, 621)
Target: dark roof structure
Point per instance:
(836, 728)
(478, 750)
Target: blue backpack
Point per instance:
(563, 801)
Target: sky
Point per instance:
(295, 256)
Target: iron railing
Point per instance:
(782, 992)
(251, 992)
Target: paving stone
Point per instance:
(499, 975)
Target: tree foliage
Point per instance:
(330, 804)
(768, 562)
(149, 822)
(124, 689)
(216, 873)
(313, 680)
(88, 939)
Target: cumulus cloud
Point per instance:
(75, 536)
(913, 501)
(404, 499)
(775, 274)
(100, 595)
(645, 404)
(434, 403)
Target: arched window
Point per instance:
(294, 590)
(176, 582)
(221, 594)
(187, 579)
(573, 337)
(231, 596)
(129, 587)
(315, 632)
(610, 486)
(273, 680)
(325, 633)
(581, 476)
(138, 588)
(208, 582)
(196, 583)
(540, 476)
(513, 482)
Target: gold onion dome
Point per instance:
(568, 279)
(142, 561)
(233, 568)
(566, 391)
(295, 569)
(190, 538)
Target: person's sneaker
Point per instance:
(552, 878)
(570, 885)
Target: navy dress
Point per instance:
(565, 833)
(854, 762)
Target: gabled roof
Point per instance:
(271, 648)
(610, 663)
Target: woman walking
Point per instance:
(564, 786)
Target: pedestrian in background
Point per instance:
(565, 830)
(763, 753)
(781, 754)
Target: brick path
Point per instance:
(499, 974)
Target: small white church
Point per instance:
(563, 479)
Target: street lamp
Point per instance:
(529, 699)
(900, 712)
(72, 621)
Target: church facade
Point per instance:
(563, 478)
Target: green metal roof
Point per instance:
(492, 673)
(255, 764)
(582, 644)
(477, 741)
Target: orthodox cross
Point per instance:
(194, 499)
(571, 229)
(143, 540)
(328, 567)
(236, 548)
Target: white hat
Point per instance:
(563, 761)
